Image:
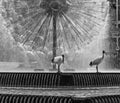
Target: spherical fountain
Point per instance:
(59, 25)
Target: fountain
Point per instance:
(41, 29)
(42, 24)
(48, 28)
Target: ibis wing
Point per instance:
(97, 61)
(57, 59)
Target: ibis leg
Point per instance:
(97, 68)
(58, 68)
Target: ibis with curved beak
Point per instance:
(97, 61)
(58, 60)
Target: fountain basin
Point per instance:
(56, 80)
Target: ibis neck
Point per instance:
(63, 59)
(103, 56)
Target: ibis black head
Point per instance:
(63, 57)
(103, 51)
(52, 60)
(90, 64)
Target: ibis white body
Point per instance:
(58, 60)
(97, 61)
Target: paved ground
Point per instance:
(81, 93)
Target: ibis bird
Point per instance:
(58, 60)
(97, 61)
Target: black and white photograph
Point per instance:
(59, 51)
